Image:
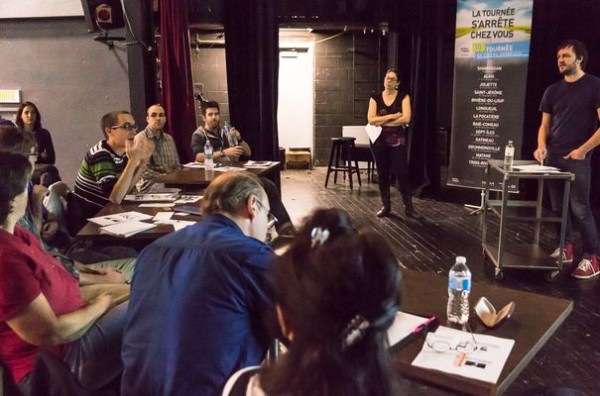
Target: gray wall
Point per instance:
(71, 78)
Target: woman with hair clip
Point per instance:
(391, 110)
(30, 119)
(337, 292)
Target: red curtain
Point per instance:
(176, 75)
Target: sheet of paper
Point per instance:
(162, 216)
(373, 132)
(119, 218)
(194, 165)
(230, 169)
(260, 164)
(177, 224)
(167, 197)
(184, 199)
(127, 228)
(157, 205)
(403, 325)
(536, 168)
(484, 364)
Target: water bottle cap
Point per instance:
(510, 142)
(461, 259)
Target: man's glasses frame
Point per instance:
(127, 126)
(270, 216)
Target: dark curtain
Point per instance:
(252, 54)
(176, 76)
(421, 28)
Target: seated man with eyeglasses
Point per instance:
(199, 299)
(111, 167)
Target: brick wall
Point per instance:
(348, 69)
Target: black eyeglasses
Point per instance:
(127, 126)
(272, 219)
(463, 346)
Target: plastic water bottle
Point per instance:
(459, 287)
(209, 164)
(509, 155)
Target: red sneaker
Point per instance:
(567, 253)
(587, 268)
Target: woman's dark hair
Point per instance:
(37, 124)
(395, 71)
(332, 281)
(15, 171)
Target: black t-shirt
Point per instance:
(573, 107)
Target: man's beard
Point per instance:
(568, 70)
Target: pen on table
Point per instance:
(423, 327)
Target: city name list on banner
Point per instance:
(490, 73)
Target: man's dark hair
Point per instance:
(16, 140)
(211, 104)
(37, 124)
(110, 120)
(579, 48)
(15, 172)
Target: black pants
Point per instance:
(390, 160)
(277, 207)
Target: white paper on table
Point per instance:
(536, 168)
(373, 131)
(260, 164)
(177, 224)
(183, 199)
(126, 229)
(230, 169)
(119, 218)
(162, 216)
(156, 197)
(157, 205)
(403, 325)
(484, 364)
(194, 165)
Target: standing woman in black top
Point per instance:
(29, 118)
(391, 110)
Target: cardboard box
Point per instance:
(298, 159)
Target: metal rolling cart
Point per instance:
(505, 254)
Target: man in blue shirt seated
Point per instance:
(199, 299)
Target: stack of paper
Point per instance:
(126, 229)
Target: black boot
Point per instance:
(409, 209)
(386, 208)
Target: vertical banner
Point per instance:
(490, 76)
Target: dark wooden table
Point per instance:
(535, 319)
(91, 230)
(199, 178)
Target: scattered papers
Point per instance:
(194, 165)
(188, 209)
(167, 197)
(230, 169)
(157, 205)
(186, 199)
(373, 131)
(535, 168)
(162, 216)
(119, 218)
(126, 229)
(484, 364)
(177, 224)
(260, 164)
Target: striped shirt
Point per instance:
(164, 159)
(98, 173)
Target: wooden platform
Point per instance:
(571, 358)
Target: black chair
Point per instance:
(341, 158)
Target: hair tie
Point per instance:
(319, 236)
(355, 331)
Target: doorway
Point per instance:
(295, 114)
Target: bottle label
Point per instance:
(460, 284)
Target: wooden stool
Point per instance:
(342, 147)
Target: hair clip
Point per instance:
(355, 331)
(318, 235)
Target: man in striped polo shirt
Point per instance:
(111, 167)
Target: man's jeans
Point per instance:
(580, 210)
